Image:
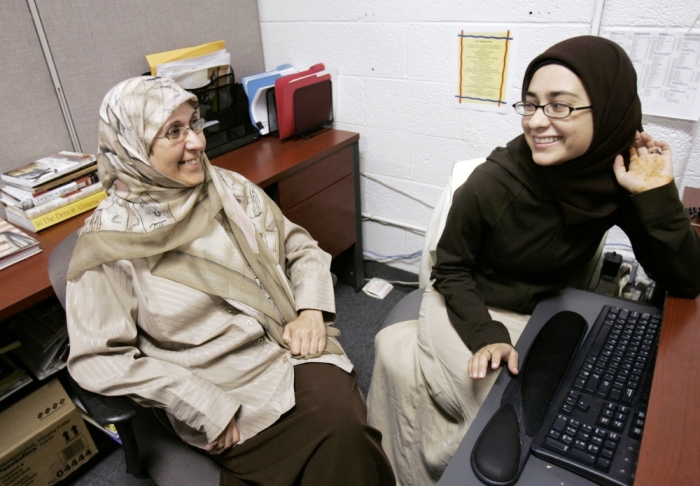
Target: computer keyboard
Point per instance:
(595, 423)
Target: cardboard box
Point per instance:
(43, 439)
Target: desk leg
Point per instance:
(358, 257)
(349, 265)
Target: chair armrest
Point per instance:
(119, 411)
(105, 410)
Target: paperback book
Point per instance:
(57, 215)
(15, 245)
(47, 169)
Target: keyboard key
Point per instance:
(554, 434)
(597, 441)
(602, 464)
(582, 456)
(567, 439)
(635, 433)
(607, 454)
(617, 425)
(555, 446)
(582, 406)
(610, 444)
(593, 449)
(560, 423)
(615, 394)
(628, 395)
(570, 430)
(604, 421)
(567, 409)
(580, 444)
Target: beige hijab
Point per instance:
(149, 215)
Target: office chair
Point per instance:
(151, 447)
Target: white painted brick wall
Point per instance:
(396, 78)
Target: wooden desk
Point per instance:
(671, 440)
(315, 181)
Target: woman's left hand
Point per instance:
(650, 165)
(306, 335)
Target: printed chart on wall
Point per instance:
(668, 70)
(483, 66)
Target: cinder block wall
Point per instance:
(396, 79)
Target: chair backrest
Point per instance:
(58, 265)
(460, 172)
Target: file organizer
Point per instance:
(313, 107)
(285, 87)
(224, 100)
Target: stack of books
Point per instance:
(51, 190)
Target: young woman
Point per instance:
(190, 291)
(519, 228)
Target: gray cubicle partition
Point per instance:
(31, 124)
(95, 44)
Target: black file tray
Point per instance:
(225, 100)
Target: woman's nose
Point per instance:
(539, 119)
(195, 141)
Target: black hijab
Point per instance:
(585, 187)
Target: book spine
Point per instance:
(47, 186)
(35, 200)
(60, 202)
(67, 212)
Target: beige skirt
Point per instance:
(421, 397)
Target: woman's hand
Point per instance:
(650, 165)
(495, 353)
(306, 334)
(227, 439)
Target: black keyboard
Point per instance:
(594, 424)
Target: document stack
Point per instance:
(51, 190)
(44, 336)
(12, 377)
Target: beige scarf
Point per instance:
(148, 215)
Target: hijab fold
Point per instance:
(149, 215)
(585, 187)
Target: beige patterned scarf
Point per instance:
(149, 215)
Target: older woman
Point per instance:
(523, 223)
(190, 291)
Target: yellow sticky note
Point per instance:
(184, 53)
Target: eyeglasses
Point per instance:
(179, 133)
(552, 110)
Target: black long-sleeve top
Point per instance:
(505, 244)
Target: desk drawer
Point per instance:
(329, 216)
(315, 178)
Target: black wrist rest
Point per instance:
(502, 449)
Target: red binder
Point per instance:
(285, 87)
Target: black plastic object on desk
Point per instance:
(223, 100)
(502, 449)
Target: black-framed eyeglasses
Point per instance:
(179, 133)
(552, 110)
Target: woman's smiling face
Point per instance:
(181, 161)
(555, 141)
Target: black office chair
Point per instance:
(151, 447)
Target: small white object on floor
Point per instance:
(377, 288)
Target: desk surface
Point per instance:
(264, 162)
(671, 440)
